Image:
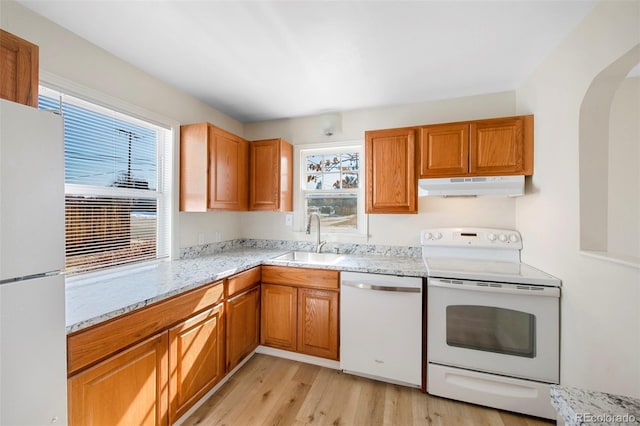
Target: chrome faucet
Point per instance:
(319, 243)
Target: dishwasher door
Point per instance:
(381, 327)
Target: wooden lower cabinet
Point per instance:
(318, 322)
(278, 316)
(303, 316)
(196, 359)
(243, 326)
(129, 388)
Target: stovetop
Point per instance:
(487, 270)
(480, 254)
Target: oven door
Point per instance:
(506, 329)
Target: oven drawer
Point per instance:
(521, 396)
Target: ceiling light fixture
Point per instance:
(330, 123)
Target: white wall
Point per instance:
(391, 229)
(72, 58)
(624, 171)
(600, 333)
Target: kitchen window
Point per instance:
(117, 198)
(331, 186)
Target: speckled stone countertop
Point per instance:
(582, 407)
(97, 299)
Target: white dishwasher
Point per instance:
(381, 327)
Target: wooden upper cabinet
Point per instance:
(391, 183)
(444, 150)
(18, 70)
(213, 169)
(271, 175)
(502, 146)
(497, 146)
(228, 164)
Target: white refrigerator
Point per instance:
(33, 382)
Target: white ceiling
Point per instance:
(261, 60)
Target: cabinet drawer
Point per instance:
(243, 281)
(89, 346)
(301, 277)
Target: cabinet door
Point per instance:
(128, 388)
(278, 316)
(228, 175)
(264, 175)
(444, 150)
(196, 359)
(318, 323)
(271, 175)
(18, 70)
(243, 326)
(501, 146)
(194, 167)
(390, 169)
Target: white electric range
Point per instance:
(492, 322)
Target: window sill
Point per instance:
(630, 261)
(118, 271)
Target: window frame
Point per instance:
(166, 168)
(301, 152)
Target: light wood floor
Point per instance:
(275, 391)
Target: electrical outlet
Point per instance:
(218, 236)
(288, 220)
(200, 238)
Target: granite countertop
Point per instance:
(93, 300)
(582, 407)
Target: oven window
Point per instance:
(491, 329)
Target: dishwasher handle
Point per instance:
(377, 287)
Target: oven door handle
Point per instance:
(521, 290)
(377, 287)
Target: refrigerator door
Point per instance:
(33, 389)
(31, 191)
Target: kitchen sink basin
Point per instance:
(310, 257)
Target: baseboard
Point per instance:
(213, 390)
(294, 356)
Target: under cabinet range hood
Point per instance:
(506, 186)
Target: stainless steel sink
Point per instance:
(310, 257)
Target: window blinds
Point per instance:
(116, 185)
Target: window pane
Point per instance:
(108, 231)
(314, 181)
(337, 212)
(104, 151)
(350, 167)
(314, 163)
(350, 162)
(350, 181)
(331, 181)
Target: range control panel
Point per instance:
(471, 237)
